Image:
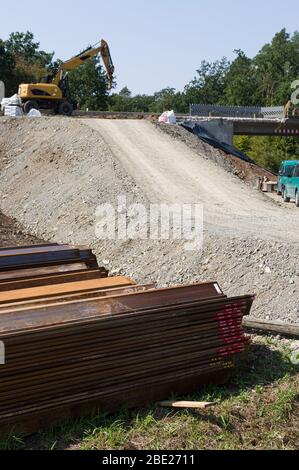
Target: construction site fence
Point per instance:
(207, 110)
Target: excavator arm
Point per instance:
(81, 58)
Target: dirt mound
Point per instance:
(54, 172)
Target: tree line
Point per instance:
(264, 80)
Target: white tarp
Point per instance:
(168, 117)
(34, 113)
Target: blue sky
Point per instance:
(154, 43)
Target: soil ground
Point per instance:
(11, 234)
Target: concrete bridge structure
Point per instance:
(222, 122)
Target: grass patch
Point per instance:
(258, 409)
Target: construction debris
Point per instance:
(266, 186)
(168, 117)
(77, 341)
(12, 106)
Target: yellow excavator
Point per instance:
(53, 91)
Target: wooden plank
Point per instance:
(200, 405)
(69, 288)
(287, 329)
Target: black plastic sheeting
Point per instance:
(202, 134)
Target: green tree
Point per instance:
(21, 61)
(241, 82)
(269, 152)
(208, 86)
(244, 143)
(277, 67)
(168, 99)
(142, 103)
(125, 102)
(125, 92)
(7, 65)
(23, 45)
(164, 100)
(121, 101)
(89, 86)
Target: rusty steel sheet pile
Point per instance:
(78, 342)
(44, 259)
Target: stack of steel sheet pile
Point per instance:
(77, 341)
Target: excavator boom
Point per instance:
(107, 60)
(79, 59)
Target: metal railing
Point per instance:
(207, 110)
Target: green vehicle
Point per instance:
(291, 190)
(285, 172)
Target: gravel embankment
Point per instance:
(55, 172)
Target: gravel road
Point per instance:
(169, 172)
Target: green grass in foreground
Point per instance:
(258, 409)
